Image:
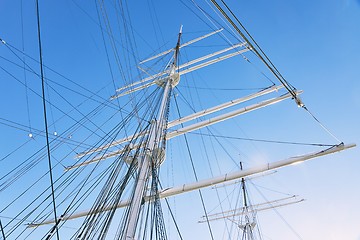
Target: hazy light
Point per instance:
(296, 163)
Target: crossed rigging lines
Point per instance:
(104, 230)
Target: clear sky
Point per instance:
(314, 44)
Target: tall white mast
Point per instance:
(157, 127)
(248, 226)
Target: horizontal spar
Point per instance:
(164, 53)
(194, 126)
(157, 78)
(226, 116)
(245, 173)
(251, 209)
(210, 62)
(182, 45)
(188, 118)
(234, 47)
(213, 181)
(222, 106)
(112, 144)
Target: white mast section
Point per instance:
(217, 180)
(144, 165)
(155, 137)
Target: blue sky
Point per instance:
(315, 45)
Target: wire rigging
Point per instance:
(282, 218)
(264, 140)
(261, 54)
(45, 117)
(2, 231)
(25, 77)
(72, 189)
(257, 50)
(13, 50)
(195, 175)
(322, 125)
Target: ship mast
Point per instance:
(248, 226)
(151, 155)
(153, 148)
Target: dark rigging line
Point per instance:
(184, 98)
(29, 69)
(74, 108)
(53, 81)
(111, 37)
(106, 50)
(45, 119)
(291, 89)
(222, 89)
(172, 216)
(196, 178)
(215, 22)
(2, 230)
(280, 216)
(322, 125)
(39, 132)
(212, 175)
(263, 140)
(51, 109)
(37, 94)
(25, 78)
(260, 54)
(269, 189)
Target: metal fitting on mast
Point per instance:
(174, 77)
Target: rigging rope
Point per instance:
(106, 51)
(45, 117)
(29, 69)
(44, 155)
(173, 218)
(222, 89)
(281, 217)
(264, 140)
(25, 78)
(213, 21)
(60, 95)
(322, 125)
(2, 231)
(260, 54)
(195, 175)
(266, 60)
